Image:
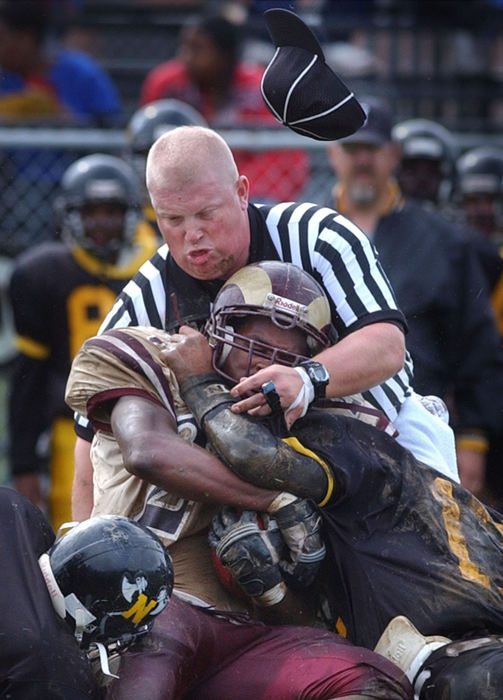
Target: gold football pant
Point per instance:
(61, 471)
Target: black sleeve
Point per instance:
(29, 381)
(248, 446)
(28, 415)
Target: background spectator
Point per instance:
(39, 84)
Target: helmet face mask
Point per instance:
(108, 577)
(283, 294)
(229, 338)
(96, 191)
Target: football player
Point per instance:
(480, 190)
(479, 196)
(427, 164)
(402, 539)
(150, 463)
(74, 600)
(60, 291)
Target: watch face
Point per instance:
(319, 377)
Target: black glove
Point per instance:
(300, 525)
(250, 553)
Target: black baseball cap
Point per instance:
(299, 88)
(377, 130)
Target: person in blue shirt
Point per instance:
(44, 85)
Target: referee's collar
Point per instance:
(261, 245)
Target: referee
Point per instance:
(211, 230)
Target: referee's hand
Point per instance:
(287, 382)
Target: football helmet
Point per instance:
(108, 577)
(98, 179)
(149, 123)
(279, 291)
(480, 188)
(428, 158)
(153, 120)
(480, 171)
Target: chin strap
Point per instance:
(103, 657)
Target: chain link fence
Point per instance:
(441, 60)
(281, 165)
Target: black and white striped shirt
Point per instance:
(319, 240)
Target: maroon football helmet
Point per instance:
(279, 291)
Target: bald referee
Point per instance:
(211, 230)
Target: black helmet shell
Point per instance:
(118, 570)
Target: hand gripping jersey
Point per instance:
(122, 362)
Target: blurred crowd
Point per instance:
(50, 78)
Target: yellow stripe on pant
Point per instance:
(61, 471)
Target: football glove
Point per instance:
(300, 525)
(250, 553)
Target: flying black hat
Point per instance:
(299, 88)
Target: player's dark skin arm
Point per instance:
(153, 451)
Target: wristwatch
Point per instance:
(319, 376)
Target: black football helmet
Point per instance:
(153, 120)
(425, 142)
(480, 188)
(108, 577)
(279, 291)
(94, 179)
(149, 123)
(480, 171)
